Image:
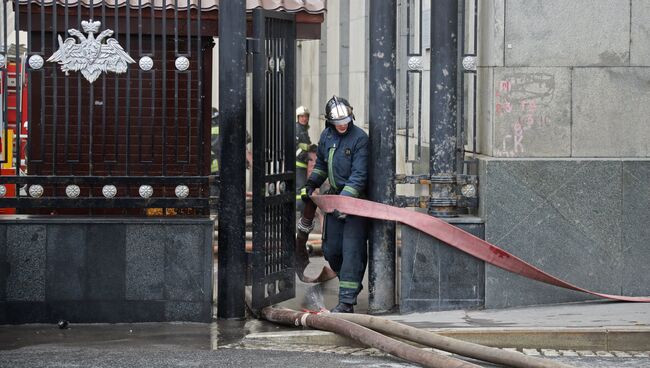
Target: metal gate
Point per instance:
(117, 105)
(273, 47)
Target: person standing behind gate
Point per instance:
(303, 147)
(342, 157)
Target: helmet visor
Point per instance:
(340, 114)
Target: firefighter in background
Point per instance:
(303, 147)
(215, 142)
(215, 152)
(342, 157)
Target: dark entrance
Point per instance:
(273, 47)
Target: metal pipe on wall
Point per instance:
(232, 206)
(443, 112)
(381, 188)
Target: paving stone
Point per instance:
(586, 353)
(532, 352)
(640, 354)
(550, 352)
(621, 354)
(568, 353)
(604, 354)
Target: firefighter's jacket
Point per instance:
(343, 159)
(303, 143)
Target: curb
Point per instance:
(563, 338)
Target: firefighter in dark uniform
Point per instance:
(303, 146)
(215, 142)
(215, 152)
(342, 157)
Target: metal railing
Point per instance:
(112, 105)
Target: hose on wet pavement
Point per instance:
(366, 336)
(459, 347)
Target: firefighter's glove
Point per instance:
(339, 215)
(307, 191)
(305, 226)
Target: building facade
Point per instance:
(562, 130)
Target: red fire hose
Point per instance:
(453, 236)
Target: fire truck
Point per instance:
(13, 93)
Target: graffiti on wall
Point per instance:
(521, 110)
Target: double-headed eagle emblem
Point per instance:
(90, 55)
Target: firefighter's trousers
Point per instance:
(345, 248)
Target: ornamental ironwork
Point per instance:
(90, 55)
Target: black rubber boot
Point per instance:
(343, 308)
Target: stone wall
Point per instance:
(580, 220)
(105, 270)
(564, 78)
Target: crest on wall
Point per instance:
(91, 55)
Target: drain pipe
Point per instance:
(471, 350)
(365, 336)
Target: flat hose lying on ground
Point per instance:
(468, 349)
(454, 237)
(365, 336)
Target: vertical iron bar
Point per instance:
(91, 115)
(443, 112)
(66, 89)
(382, 122)
(54, 96)
(19, 92)
(30, 50)
(176, 53)
(153, 85)
(5, 88)
(140, 83)
(116, 125)
(79, 99)
(232, 104)
(188, 100)
(199, 55)
(42, 82)
(164, 89)
(289, 151)
(104, 98)
(127, 142)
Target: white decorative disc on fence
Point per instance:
(146, 63)
(36, 62)
(146, 191)
(35, 191)
(109, 191)
(182, 191)
(3, 191)
(72, 191)
(182, 63)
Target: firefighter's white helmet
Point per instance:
(301, 110)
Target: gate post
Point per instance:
(232, 199)
(381, 188)
(443, 112)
